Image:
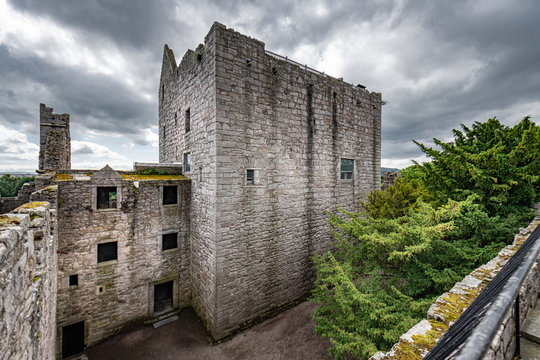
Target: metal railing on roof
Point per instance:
(471, 335)
(303, 66)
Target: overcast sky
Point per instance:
(437, 64)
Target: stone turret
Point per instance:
(55, 140)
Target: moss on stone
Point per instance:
(8, 221)
(64, 177)
(51, 188)
(137, 177)
(33, 205)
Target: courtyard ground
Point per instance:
(288, 335)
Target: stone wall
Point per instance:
(27, 283)
(389, 179)
(191, 85)
(112, 294)
(23, 196)
(449, 306)
(55, 140)
(249, 110)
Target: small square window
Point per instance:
(169, 241)
(106, 197)
(250, 177)
(170, 195)
(187, 162)
(188, 121)
(346, 169)
(73, 280)
(107, 251)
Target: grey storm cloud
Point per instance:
(455, 61)
(83, 150)
(98, 102)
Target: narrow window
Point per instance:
(163, 91)
(73, 280)
(250, 177)
(106, 197)
(347, 166)
(169, 241)
(107, 251)
(187, 162)
(170, 195)
(175, 119)
(164, 132)
(188, 121)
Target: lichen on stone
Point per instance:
(6, 220)
(137, 177)
(32, 205)
(64, 177)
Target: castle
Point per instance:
(254, 149)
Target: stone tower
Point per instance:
(270, 147)
(55, 140)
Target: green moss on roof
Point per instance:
(32, 205)
(137, 177)
(64, 177)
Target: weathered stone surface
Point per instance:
(27, 284)
(136, 224)
(55, 140)
(248, 109)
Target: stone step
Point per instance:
(529, 350)
(531, 327)
(165, 321)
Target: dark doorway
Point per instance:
(72, 339)
(163, 297)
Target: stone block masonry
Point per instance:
(27, 283)
(106, 294)
(267, 140)
(54, 140)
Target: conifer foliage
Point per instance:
(413, 241)
(9, 186)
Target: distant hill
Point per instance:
(383, 170)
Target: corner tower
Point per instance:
(54, 140)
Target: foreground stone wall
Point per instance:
(416, 343)
(27, 283)
(111, 294)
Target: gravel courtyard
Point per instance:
(288, 335)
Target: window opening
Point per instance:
(187, 162)
(169, 241)
(250, 177)
(107, 251)
(188, 120)
(73, 280)
(347, 166)
(106, 197)
(170, 195)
